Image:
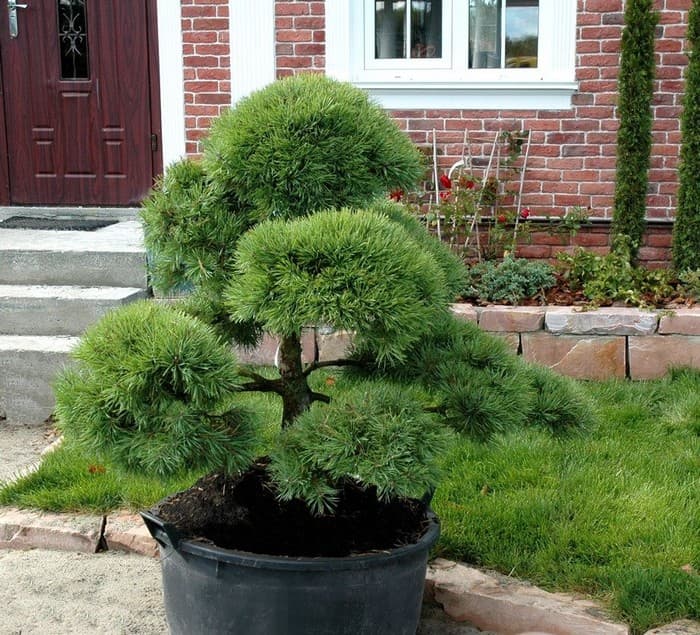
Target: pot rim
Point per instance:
(309, 563)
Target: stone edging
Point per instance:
(27, 529)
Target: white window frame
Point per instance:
(408, 86)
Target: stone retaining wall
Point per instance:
(609, 342)
(599, 344)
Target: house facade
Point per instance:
(98, 96)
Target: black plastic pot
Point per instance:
(210, 590)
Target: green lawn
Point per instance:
(612, 511)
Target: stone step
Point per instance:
(28, 366)
(111, 256)
(58, 310)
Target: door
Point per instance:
(77, 104)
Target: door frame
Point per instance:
(155, 106)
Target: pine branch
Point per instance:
(333, 362)
(317, 396)
(259, 383)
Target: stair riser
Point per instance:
(26, 378)
(119, 269)
(52, 316)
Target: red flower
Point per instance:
(445, 181)
(470, 184)
(525, 213)
(501, 218)
(445, 196)
(396, 195)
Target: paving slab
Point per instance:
(511, 607)
(605, 321)
(512, 319)
(125, 531)
(681, 627)
(26, 529)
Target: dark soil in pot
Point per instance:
(243, 513)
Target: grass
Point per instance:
(613, 511)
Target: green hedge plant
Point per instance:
(636, 90)
(686, 231)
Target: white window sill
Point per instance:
(473, 95)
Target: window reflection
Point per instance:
(392, 26)
(486, 41)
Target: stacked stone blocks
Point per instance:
(614, 342)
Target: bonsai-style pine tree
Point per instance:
(636, 90)
(686, 231)
(285, 225)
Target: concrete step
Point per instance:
(58, 310)
(111, 256)
(28, 366)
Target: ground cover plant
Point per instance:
(611, 511)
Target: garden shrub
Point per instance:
(636, 88)
(686, 230)
(191, 226)
(511, 280)
(381, 435)
(153, 389)
(309, 143)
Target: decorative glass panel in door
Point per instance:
(73, 39)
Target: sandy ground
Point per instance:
(21, 447)
(59, 593)
(51, 592)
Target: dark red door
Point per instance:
(77, 105)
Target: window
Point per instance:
(456, 53)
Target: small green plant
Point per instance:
(510, 280)
(686, 231)
(690, 283)
(613, 277)
(636, 88)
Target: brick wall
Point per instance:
(572, 154)
(300, 37)
(207, 72)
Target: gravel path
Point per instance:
(57, 593)
(21, 447)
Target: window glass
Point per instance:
(393, 25)
(522, 23)
(493, 31)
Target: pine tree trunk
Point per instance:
(296, 393)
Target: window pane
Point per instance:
(390, 30)
(72, 39)
(522, 17)
(426, 28)
(484, 33)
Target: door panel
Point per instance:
(77, 102)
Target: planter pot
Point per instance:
(208, 589)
